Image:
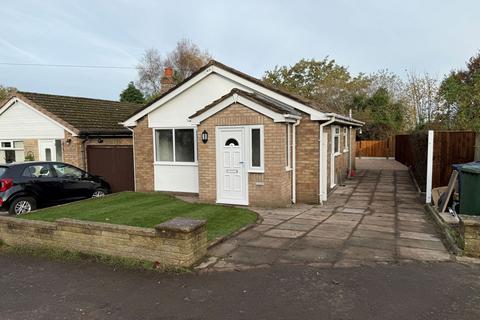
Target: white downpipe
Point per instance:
(294, 163)
(428, 197)
(350, 148)
(320, 156)
(134, 166)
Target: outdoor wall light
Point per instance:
(68, 141)
(100, 140)
(204, 136)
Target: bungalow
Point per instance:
(81, 131)
(232, 139)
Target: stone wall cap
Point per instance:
(184, 225)
(26, 222)
(470, 220)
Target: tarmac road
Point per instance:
(36, 288)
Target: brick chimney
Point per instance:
(167, 82)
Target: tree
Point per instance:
(150, 72)
(382, 114)
(323, 81)
(460, 94)
(422, 96)
(132, 94)
(5, 91)
(185, 59)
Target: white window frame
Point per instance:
(12, 148)
(175, 163)
(334, 135)
(345, 139)
(251, 168)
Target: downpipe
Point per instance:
(320, 153)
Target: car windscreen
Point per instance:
(3, 170)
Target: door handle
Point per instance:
(241, 162)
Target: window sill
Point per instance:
(172, 163)
(256, 171)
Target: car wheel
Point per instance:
(22, 205)
(99, 193)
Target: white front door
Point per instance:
(232, 184)
(47, 150)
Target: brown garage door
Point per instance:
(114, 163)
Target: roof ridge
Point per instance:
(75, 97)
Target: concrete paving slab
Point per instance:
(280, 233)
(269, 242)
(419, 236)
(295, 226)
(254, 255)
(318, 242)
(364, 253)
(272, 222)
(372, 243)
(372, 227)
(423, 254)
(310, 254)
(373, 234)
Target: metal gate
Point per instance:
(114, 163)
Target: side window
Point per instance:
(38, 171)
(336, 139)
(256, 149)
(66, 171)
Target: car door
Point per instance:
(40, 180)
(74, 183)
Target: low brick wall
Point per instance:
(178, 242)
(470, 226)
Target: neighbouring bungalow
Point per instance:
(81, 131)
(232, 139)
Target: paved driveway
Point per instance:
(377, 217)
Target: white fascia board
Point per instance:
(276, 117)
(132, 121)
(16, 100)
(297, 105)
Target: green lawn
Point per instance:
(147, 210)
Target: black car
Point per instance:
(30, 185)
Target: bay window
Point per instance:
(175, 145)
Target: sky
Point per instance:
(433, 36)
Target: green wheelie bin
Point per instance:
(470, 189)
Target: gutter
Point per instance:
(320, 153)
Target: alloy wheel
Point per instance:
(98, 194)
(23, 207)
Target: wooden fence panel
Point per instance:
(376, 148)
(450, 147)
